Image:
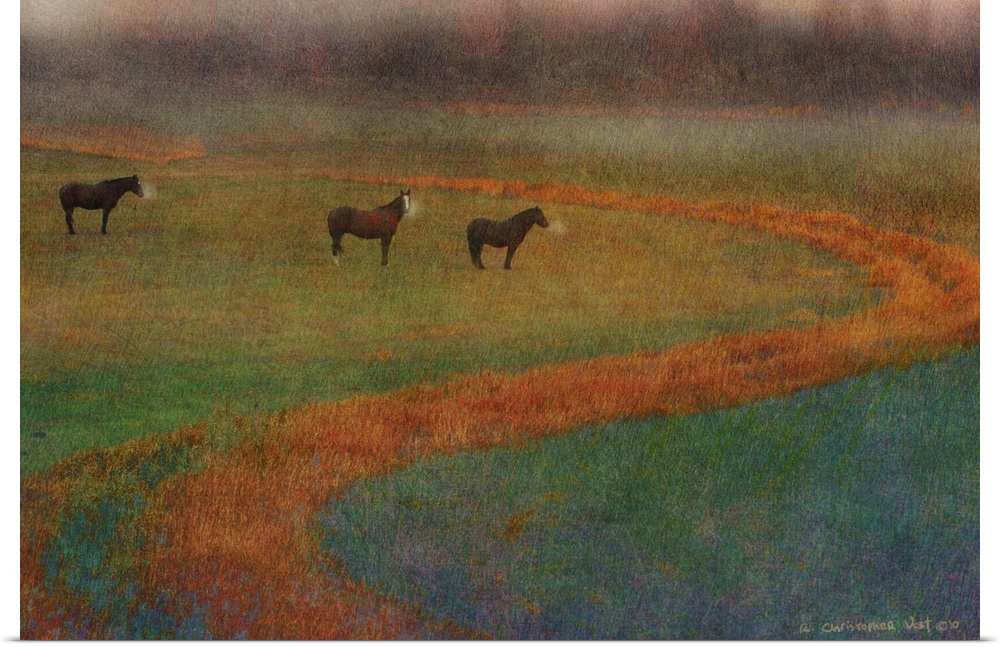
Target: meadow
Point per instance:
(685, 527)
(217, 292)
(213, 308)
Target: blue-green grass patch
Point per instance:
(844, 511)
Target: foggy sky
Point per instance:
(723, 51)
(86, 19)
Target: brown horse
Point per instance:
(380, 222)
(103, 195)
(502, 233)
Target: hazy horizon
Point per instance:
(723, 51)
(60, 18)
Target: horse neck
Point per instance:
(121, 186)
(395, 208)
(524, 220)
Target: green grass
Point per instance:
(911, 170)
(915, 172)
(218, 290)
(94, 556)
(216, 297)
(855, 503)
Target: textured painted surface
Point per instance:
(684, 413)
(235, 542)
(855, 503)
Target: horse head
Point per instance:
(404, 196)
(538, 217)
(134, 186)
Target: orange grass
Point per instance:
(237, 539)
(111, 141)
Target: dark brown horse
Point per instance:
(502, 233)
(380, 222)
(103, 195)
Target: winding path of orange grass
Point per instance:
(111, 141)
(236, 542)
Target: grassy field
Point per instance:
(858, 502)
(215, 301)
(219, 292)
(915, 171)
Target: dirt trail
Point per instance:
(235, 542)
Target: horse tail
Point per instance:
(474, 233)
(338, 222)
(331, 224)
(66, 195)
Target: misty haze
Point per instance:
(283, 376)
(719, 52)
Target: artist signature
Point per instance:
(911, 624)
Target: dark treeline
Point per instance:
(714, 51)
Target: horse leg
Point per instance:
(104, 221)
(385, 249)
(69, 220)
(510, 255)
(337, 249)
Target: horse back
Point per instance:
(77, 194)
(477, 226)
(495, 233)
(363, 224)
(340, 218)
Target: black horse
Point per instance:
(502, 233)
(103, 195)
(380, 222)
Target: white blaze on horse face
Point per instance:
(406, 202)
